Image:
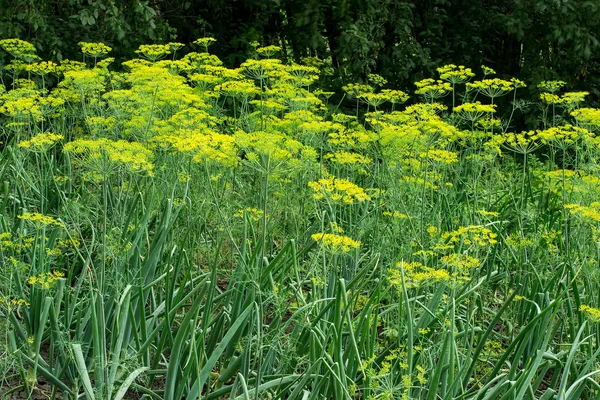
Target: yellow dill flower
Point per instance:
(396, 214)
(550, 98)
(27, 84)
(487, 213)
(587, 117)
(205, 81)
(282, 151)
(347, 157)
(515, 240)
(551, 86)
(86, 83)
(40, 219)
(488, 124)
(43, 68)
(374, 99)
(462, 262)
(209, 63)
(254, 214)
(470, 235)
(454, 74)
(476, 107)
(591, 312)
(99, 124)
(17, 243)
(416, 275)
(421, 375)
(18, 48)
(395, 96)
(41, 142)
(338, 190)
(45, 280)
(523, 142)
(518, 83)
(94, 50)
(441, 156)
(590, 213)
(474, 111)
(154, 52)
(175, 67)
(433, 231)
(377, 80)
(336, 243)
(261, 69)
(487, 70)
(203, 144)
(356, 89)
(70, 65)
(268, 51)
(205, 42)
(564, 135)
(491, 87)
(571, 99)
(23, 105)
(238, 89)
(432, 89)
(16, 302)
(106, 155)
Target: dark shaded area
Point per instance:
(403, 40)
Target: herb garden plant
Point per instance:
(174, 229)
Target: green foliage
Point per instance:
(402, 40)
(171, 228)
(55, 28)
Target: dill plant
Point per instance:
(185, 230)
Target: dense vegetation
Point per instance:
(402, 40)
(171, 228)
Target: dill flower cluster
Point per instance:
(347, 157)
(568, 100)
(474, 111)
(154, 52)
(40, 219)
(590, 213)
(254, 214)
(395, 96)
(205, 42)
(18, 243)
(587, 117)
(477, 235)
(18, 48)
(43, 68)
(268, 51)
(551, 86)
(439, 155)
(416, 275)
(121, 153)
(461, 262)
(94, 50)
(338, 190)
(45, 280)
(41, 142)
(357, 89)
(591, 312)
(455, 75)
(238, 89)
(492, 87)
(432, 89)
(567, 134)
(336, 243)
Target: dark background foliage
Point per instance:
(403, 40)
